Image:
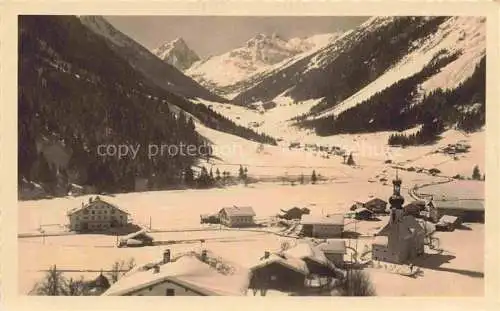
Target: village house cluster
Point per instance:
(311, 266)
(305, 267)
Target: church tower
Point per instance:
(396, 201)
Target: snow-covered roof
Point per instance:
(187, 271)
(407, 222)
(448, 219)
(333, 246)
(292, 263)
(96, 200)
(334, 219)
(239, 211)
(136, 234)
(306, 250)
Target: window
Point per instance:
(85, 217)
(112, 211)
(77, 218)
(86, 212)
(170, 292)
(93, 217)
(93, 212)
(150, 288)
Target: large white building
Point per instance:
(237, 216)
(97, 215)
(323, 227)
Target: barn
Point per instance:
(278, 272)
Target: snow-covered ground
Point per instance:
(170, 210)
(369, 150)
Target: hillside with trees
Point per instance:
(76, 91)
(396, 109)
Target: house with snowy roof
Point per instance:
(315, 259)
(330, 226)
(237, 216)
(97, 215)
(374, 204)
(187, 275)
(334, 251)
(139, 238)
(278, 272)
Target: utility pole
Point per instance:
(150, 220)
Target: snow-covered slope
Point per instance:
(373, 56)
(463, 35)
(177, 53)
(259, 54)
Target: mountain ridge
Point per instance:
(177, 53)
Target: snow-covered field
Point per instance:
(180, 210)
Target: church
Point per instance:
(402, 239)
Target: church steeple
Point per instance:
(396, 200)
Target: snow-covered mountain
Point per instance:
(257, 55)
(378, 48)
(177, 53)
(163, 74)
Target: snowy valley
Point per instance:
(314, 122)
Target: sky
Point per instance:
(213, 35)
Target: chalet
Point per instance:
(364, 214)
(188, 275)
(414, 208)
(278, 272)
(376, 205)
(323, 227)
(98, 286)
(294, 213)
(139, 238)
(316, 261)
(465, 210)
(237, 216)
(334, 250)
(97, 215)
(402, 239)
(447, 223)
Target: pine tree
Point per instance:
(350, 160)
(217, 174)
(241, 173)
(313, 177)
(476, 174)
(189, 176)
(211, 175)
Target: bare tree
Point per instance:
(357, 283)
(76, 287)
(53, 284)
(119, 268)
